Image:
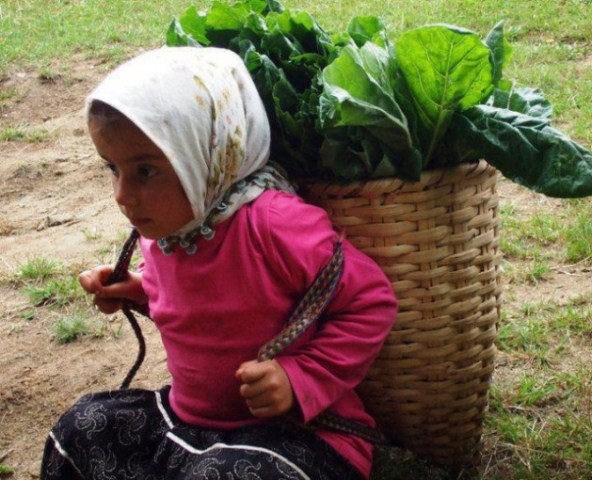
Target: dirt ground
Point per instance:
(55, 203)
(53, 195)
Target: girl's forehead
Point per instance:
(123, 140)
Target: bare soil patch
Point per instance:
(52, 194)
(55, 203)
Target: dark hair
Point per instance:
(104, 113)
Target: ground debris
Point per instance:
(56, 220)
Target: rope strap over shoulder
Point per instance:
(310, 308)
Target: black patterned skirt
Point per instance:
(134, 435)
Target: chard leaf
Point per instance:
(275, 6)
(302, 27)
(529, 101)
(526, 150)
(366, 29)
(224, 23)
(188, 29)
(500, 50)
(358, 99)
(231, 18)
(446, 69)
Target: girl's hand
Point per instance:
(266, 388)
(109, 299)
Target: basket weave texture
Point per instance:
(437, 241)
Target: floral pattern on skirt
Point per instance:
(134, 435)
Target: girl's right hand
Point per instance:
(110, 298)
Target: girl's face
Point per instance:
(145, 185)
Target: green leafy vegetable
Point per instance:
(350, 105)
(359, 114)
(527, 150)
(447, 69)
(501, 51)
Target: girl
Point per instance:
(228, 252)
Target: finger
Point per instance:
(251, 371)
(108, 305)
(117, 290)
(268, 411)
(251, 390)
(264, 412)
(260, 400)
(86, 281)
(104, 272)
(93, 280)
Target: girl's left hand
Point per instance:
(266, 388)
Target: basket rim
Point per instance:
(371, 188)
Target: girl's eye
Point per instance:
(146, 171)
(112, 168)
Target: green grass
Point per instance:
(56, 292)
(529, 327)
(8, 94)
(70, 328)
(91, 234)
(40, 32)
(540, 409)
(23, 134)
(5, 470)
(38, 268)
(579, 236)
(541, 235)
(48, 283)
(545, 439)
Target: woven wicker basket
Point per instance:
(436, 240)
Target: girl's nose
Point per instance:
(124, 192)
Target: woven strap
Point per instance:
(310, 308)
(121, 268)
(118, 274)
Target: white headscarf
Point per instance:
(202, 109)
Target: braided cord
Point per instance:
(119, 274)
(337, 423)
(125, 257)
(312, 305)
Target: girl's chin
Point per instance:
(150, 233)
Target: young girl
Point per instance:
(228, 252)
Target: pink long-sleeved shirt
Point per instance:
(215, 308)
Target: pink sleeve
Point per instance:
(355, 325)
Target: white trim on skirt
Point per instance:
(221, 446)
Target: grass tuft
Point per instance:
(5, 470)
(38, 269)
(55, 292)
(579, 237)
(8, 94)
(23, 134)
(70, 328)
(91, 234)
